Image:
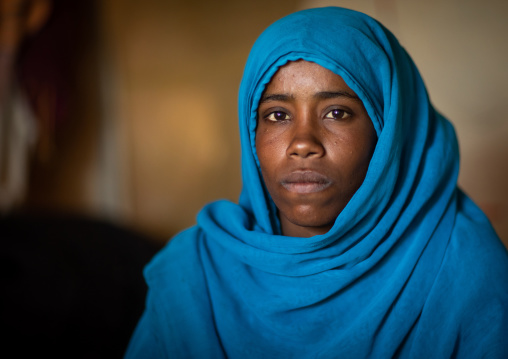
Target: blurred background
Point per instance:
(119, 122)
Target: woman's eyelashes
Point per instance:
(277, 116)
(337, 114)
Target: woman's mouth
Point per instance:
(305, 182)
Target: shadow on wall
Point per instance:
(72, 286)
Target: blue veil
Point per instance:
(411, 267)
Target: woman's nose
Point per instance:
(305, 139)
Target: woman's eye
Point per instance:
(337, 114)
(277, 116)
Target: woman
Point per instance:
(350, 238)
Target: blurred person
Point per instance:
(71, 282)
(19, 19)
(351, 238)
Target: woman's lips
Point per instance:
(305, 182)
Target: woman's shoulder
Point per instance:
(475, 267)
(466, 311)
(177, 262)
(474, 244)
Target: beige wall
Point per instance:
(173, 70)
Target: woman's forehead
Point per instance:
(305, 76)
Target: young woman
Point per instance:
(350, 238)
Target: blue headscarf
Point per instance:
(411, 267)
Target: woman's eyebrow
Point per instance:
(334, 94)
(276, 97)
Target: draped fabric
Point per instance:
(411, 267)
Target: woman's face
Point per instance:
(314, 141)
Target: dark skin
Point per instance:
(314, 141)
